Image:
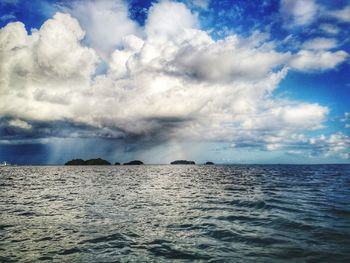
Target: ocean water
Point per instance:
(239, 213)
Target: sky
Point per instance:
(225, 81)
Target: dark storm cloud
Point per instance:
(160, 132)
(40, 129)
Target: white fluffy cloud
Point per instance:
(227, 60)
(106, 22)
(317, 60)
(41, 73)
(169, 19)
(172, 81)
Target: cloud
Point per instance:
(342, 15)
(58, 51)
(106, 23)
(20, 124)
(335, 144)
(169, 19)
(330, 29)
(226, 60)
(41, 73)
(297, 116)
(346, 120)
(171, 82)
(298, 12)
(204, 4)
(7, 17)
(295, 152)
(320, 43)
(317, 60)
(346, 117)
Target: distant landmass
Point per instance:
(97, 161)
(100, 161)
(182, 162)
(135, 162)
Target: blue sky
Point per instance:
(228, 81)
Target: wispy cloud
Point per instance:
(7, 17)
(298, 12)
(342, 15)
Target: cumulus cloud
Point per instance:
(333, 146)
(226, 61)
(317, 60)
(169, 19)
(106, 23)
(336, 144)
(173, 81)
(41, 72)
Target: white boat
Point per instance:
(4, 164)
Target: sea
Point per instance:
(175, 213)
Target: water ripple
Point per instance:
(244, 213)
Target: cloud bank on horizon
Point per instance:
(92, 72)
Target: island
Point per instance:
(97, 161)
(117, 163)
(75, 162)
(209, 163)
(182, 162)
(135, 162)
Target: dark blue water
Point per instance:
(175, 214)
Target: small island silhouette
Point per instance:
(209, 163)
(97, 161)
(135, 162)
(182, 162)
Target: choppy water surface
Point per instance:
(175, 213)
